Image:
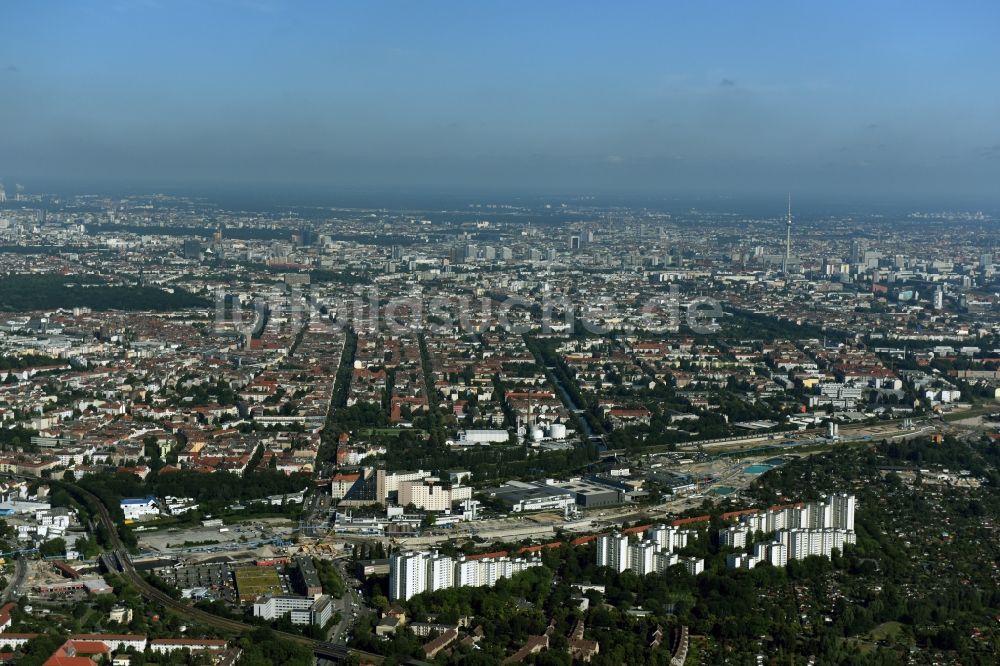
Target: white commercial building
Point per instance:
(140, 507)
(837, 511)
(301, 610)
(693, 565)
(116, 641)
(843, 511)
(168, 645)
(478, 437)
(522, 496)
(467, 573)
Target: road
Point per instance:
(351, 602)
(350, 606)
(153, 594)
(16, 584)
(892, 429)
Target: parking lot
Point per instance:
(209, 539)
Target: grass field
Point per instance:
(977, 410)
(884, 631)
(252, 582)
(395, 432)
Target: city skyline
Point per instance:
(499, 333)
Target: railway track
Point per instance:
(153, 594)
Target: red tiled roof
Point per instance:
(482, 556)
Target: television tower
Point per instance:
(788, 231)
(788, 235)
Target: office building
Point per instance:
(301, 610)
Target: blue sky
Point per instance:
(836, 99)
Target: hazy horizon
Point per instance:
(888, 104)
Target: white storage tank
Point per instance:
(537, 434)
(557, 431)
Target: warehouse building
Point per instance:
(591, 495)
(519, 496)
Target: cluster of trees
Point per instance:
(91, 616)
(53, 548)
(884, 596)
(202, 394)
(28, 361)
(17, 437)
(359, 417)
(545, 352)
(21, 293)
(661, 400)
(213, 492)
(934, 591)
(68, 495)
(50, 250)
(319, 276)
(222, 488)
(262, 647)
(331, 580)
(241, 233)
(38, 650)
(747, 325)
(342, 386)
(367, 551)
(509, 623)
(410, 450)
(8, 536)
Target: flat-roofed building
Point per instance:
(307, 577)
(519, 496)
(431, 494)
(300, 610)
(590, 494)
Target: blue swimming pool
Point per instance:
(759, 468)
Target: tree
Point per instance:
(87, 546)
(261, 647)
(53, 548)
